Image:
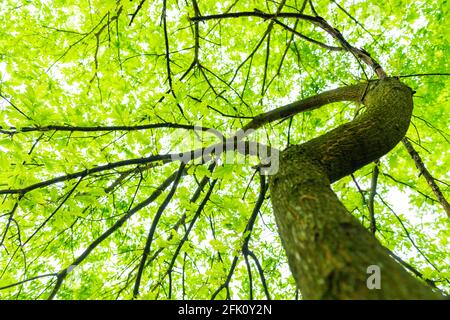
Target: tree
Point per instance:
(185, 149)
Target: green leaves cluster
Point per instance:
(83, 64)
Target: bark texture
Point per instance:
(328, 250)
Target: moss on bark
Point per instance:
(327, 248)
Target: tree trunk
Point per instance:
(328, 250)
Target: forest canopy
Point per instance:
(107, 108)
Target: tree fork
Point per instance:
(328, 250)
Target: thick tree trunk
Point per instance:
(328, 250)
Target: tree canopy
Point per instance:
(100, 100)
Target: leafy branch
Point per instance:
(61, 275)
(316, 20)
(247, 234)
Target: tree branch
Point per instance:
(424, 74)
(260, 272)
(190, 227)
(417, 273)
(320, 44)
(408, 235)
(28, 280)
(166, 44)
(256, 13)
(64, 272)
(87, 172)
(347, 93)
(373, 192)
(427, 175)
(139, 7)
(247, 232)
(152, 230)
(318, 21)
(14, 130)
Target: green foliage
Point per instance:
(84, 64)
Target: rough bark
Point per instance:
(328, 250)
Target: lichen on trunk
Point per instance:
(328, 250)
